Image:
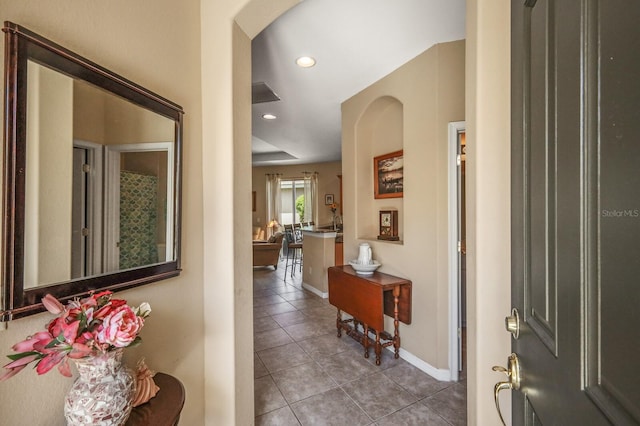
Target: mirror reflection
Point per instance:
(99, 181)
(92, 166)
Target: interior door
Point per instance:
(79, 212)
(576, 211)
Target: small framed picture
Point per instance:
(328, 199)
(388, 174)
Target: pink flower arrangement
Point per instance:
(84, 328)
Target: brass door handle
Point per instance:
(513, 380)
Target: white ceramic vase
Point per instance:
(102, 395)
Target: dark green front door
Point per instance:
(576, 210)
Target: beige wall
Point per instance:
(156, 44)
(127, 123)
(88, 112)
(411, 109)
(328, 183)
(48, 212)
(488, 223)
(243, 271)
(226, 157)
(103, 118)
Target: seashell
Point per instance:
(146, 388)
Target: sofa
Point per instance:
(267, 252)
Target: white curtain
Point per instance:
(310, 197)
(273, 201)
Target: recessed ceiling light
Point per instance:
(305, 61)
(269, 116)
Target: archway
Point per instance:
(227, 85)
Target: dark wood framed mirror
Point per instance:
(91, 183)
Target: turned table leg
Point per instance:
(365, 340)
(378, 348)
(339, 324)
(396, 334)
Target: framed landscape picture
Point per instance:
(388, 175)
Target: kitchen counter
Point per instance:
(319, 251)
(320, 229)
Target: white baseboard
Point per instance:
(443, 375)
(436, 373)
(314, 290)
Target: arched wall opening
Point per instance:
(379, 130)
(487, 79)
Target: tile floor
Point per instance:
(305, 375)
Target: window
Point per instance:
(292, 201)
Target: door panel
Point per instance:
(576, 210)
(618, 179)
(540, 143)
(531, 418)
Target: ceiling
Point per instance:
(355, 43)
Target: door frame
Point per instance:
(112, 198)
(455, 330)
(94, 203)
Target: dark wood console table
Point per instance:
(163, 409)
(368, 299)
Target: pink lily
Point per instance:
(52, 304)
(104, 311)
(64, 368)
(79, 350)
(70, 331)
(22, 361)
(101, 294)
(27, 345)
(11, 372)
(16, 366)
(89, 301)
(89, 314)
(85, 337)
(56, 326)
(49, 361)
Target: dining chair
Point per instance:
(297, 232)
(292, 251)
